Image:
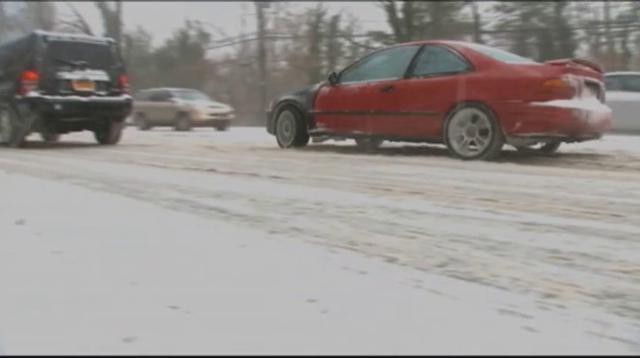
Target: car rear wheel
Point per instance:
(142, 122)
(13, 128)
(369, 144)
(291, 130)
(109, 132)
(472, 132)
(183, 122)
(544, 148)
(222, 127)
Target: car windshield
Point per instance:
(192, 96)
(500, 55)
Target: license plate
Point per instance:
(84, 85)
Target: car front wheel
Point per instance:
(472, 132)
(183, 122)
(141, 122)
(291, 130)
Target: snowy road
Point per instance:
(209, 242)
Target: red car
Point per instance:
(471, 97)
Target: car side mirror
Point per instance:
(333, 78)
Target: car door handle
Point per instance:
(387, 89)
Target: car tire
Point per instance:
(546, 148)
(182, 122)
(50, 137)
(109, 132)
(472, 132)
(142, 122)
(222, 128)
(14, 129)
(369, 144)
(291, 129)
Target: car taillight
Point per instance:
(123, 83)
(29, 81)
(565, 87)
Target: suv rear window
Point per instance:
(63, 53)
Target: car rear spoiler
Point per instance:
(580, 61)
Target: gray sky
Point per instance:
(162, 18)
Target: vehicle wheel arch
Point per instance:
(472, 103)
(494, 147)
(290, 103)
(300, 136)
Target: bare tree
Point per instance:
(77, 22)
(111, 12)
(412, 20)
(41, 14)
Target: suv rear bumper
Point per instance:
(77, 107)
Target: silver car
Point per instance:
(623, 97)
(181, 108)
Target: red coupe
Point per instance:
(471, 97)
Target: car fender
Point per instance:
(302, 100)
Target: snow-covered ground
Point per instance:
(219, 242)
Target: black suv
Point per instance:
(56, 83)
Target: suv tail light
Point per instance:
(29, 81)
(123, 83)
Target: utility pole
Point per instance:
(607, 29)
(477, 25)
(3, 20)
(262, 53)
(119, 23)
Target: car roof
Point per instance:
(73, 36)
(438, 42)
(168, 89)
(622, 73)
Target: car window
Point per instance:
(434, 60)
(142, 96)
(160, 96)
(500, 55)
(386, 64)
(64, 53)
(612, 83)
(191, 95)
(630, 83)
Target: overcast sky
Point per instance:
(163, 17)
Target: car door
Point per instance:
(623, 97)
(347, 106)
(162, 107)
(414, 107)
(150, 106)
(141, 102)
